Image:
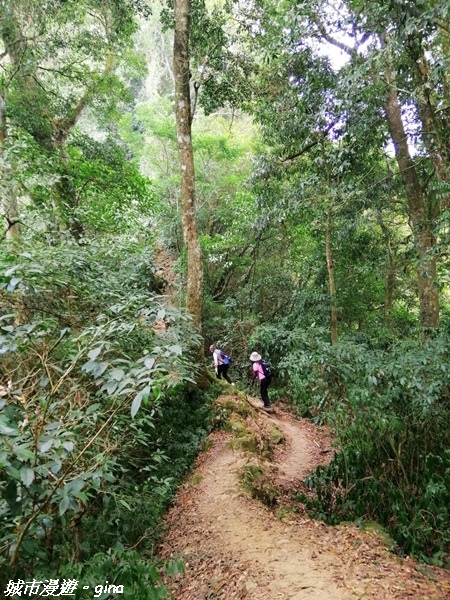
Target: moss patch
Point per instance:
(256, 481)
(276, 436)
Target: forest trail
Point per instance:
(234, 547)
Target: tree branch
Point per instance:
(348, 49)
(310, 145)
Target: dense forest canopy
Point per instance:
(313, 227)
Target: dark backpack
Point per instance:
(267, 369)
(225, 358)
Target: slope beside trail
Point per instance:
(234, 547)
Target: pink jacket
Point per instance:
(257, 369)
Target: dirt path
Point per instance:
(235, 547)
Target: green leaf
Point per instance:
(100, 369)
(5, 429)
(23, 453)
(127, 506)
(109, 387)
(149, 362)
(94, 367)
(117, 374)
(68, 446)
(136, 404)
(46, 445)
(56, 467)
(44, 381)
(27, 476)
(8, 316)
(12, 472)
(95, 352)
(13, 283)
(174, 567)
(52, 426)
(11, 270)
(74, 487)
(89, 366)
(93, 407)
(64, 505)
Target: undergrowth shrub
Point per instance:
(137, 577)
(98, 422)
(390, 410)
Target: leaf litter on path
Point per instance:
(234, 547)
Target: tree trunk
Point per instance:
(422, 217)
(186, 156)
(390, 274)
(434, 127)
(332, 283)
(9, 191)
(194, 279)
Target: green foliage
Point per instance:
(109, 189)
(99, 420)
(139, 577)
(63, 61)
(389, 409)
(84, 417)
(219, 57)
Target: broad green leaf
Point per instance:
(117, 374)
(74, 486)
(52, 426)
(149, 362)
(136, 404)
(94, 367)
(95, 352)
(100, 369)
(46, 445)
(13, 283)
(56, 467)
(109, 387)
(89, 366)
(176, 349)
(12, 472)
(174, 567)
(64, 505)
(44, 381)
(5, 428)
(8, 316)
(27, 476)
(93, 408)
(23, 453)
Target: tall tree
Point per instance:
(59, 60)
(184, 138)
(396, 66)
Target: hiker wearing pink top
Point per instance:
(261, 369)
